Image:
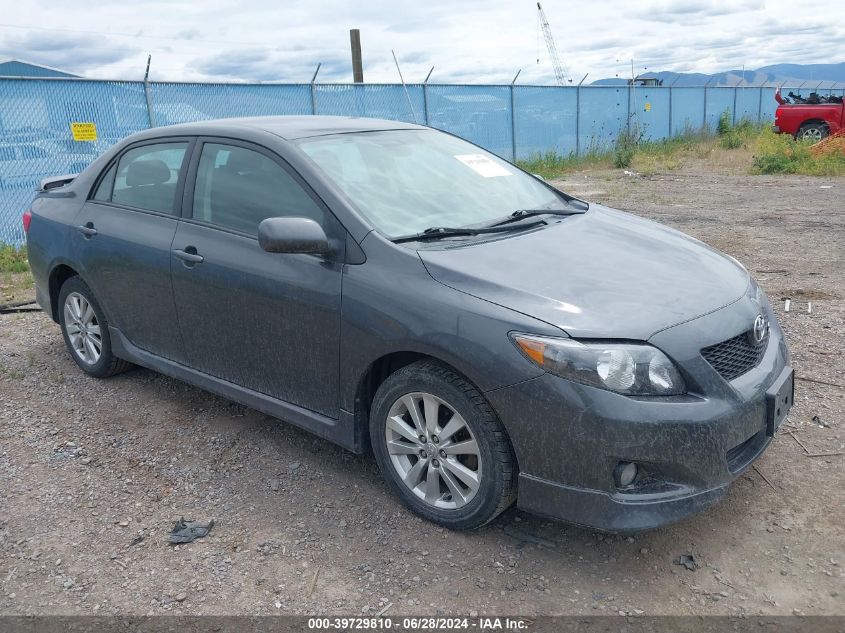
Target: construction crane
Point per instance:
(560, 70)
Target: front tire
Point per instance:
(813, 132)
(441, 448)
(86, 331)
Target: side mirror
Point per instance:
(292, 235)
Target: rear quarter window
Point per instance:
(103, 192)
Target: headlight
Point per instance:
(627, 368)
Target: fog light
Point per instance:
(624, 474)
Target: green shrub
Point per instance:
(735, 136)
(623, 155)
(13, 260)
(626, 146)
(725, 124)
(731, 140)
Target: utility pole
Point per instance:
(357, 63)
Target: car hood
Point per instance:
(603, 274)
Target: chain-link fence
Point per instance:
(516, 122)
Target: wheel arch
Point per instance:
(59, 274)
(380, 369)
(814, 122)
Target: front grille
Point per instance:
(737, 355)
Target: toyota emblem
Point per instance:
(760, 329)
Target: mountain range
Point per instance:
(790, 75)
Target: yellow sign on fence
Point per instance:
(84, 131)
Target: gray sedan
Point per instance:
(392, 288)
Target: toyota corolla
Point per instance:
(393, 288)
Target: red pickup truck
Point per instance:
(811, 119)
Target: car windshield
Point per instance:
(406, 181)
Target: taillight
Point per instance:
(27, 219)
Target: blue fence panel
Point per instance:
(718, 100)
(603, 113)
(372, 100)
(687, 110)
(546, 120)
(768, 105)
(36, 140)
(747, 104)
(481, 114)
(182, 103)
(650, 111)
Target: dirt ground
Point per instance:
(304, 527)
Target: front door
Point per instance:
(266, 321)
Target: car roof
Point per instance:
(292, 127)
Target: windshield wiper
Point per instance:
(519, 214)
(437, 232)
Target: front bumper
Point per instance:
(569, 437)
(601, 511)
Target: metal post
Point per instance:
(513, 122)
(314, 90)
(734, 112)
(425, 101)
(578, 119)
(149, 100)
(513, 115)
(148, 93)
(704, 122)
(760, 104)
(407, 95)
(671, 127)
(357, 63)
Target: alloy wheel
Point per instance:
(83, 329)
(812, 134)
(433, 450)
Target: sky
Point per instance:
(466, 41)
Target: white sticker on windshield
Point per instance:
(483, 166)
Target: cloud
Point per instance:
(262, 65)
(691, 9)
(472, 41)
(67, 51)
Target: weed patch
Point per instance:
(13, 260)
(782, 154)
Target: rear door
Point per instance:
(123, 239)
(266, 321)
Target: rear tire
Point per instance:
(441, 448)
(86, 331)
(812, 132)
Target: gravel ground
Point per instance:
(90, 467)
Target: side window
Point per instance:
(103, 193)
(146, 176)
(238, 188)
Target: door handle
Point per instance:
(188, 256)
(87, 230)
